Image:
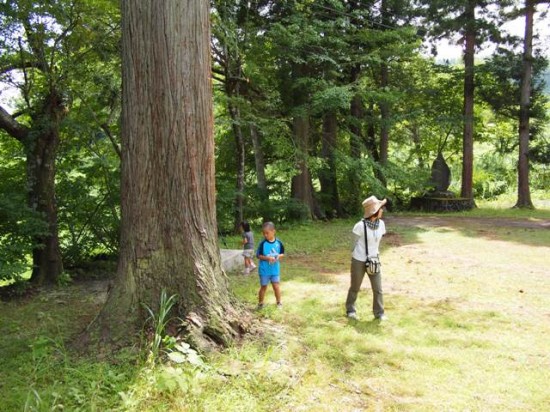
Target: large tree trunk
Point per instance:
(168, 233)
(41, 146)
(524, 194)
(468, 112)
(327, 176)
(301, 185)
(235, 115)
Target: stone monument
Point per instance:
(439, 198)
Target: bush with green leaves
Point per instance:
(20, 226)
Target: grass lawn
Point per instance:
(469, 318)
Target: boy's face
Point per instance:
(269, 234)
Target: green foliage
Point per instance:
(492, 175)
(20, 226)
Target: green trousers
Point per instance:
(357, 275)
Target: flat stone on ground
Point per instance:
(232, 260)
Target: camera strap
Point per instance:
(366, 241)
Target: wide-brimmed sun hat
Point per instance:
(372, 205)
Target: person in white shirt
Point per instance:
(373, 226)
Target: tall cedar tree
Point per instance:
(476, 23)
(168, 234)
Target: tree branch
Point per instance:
(105, 127)
(12, 126)
(19, 66)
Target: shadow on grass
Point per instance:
(371, 327)
(39, 366)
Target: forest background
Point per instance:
(316, 105)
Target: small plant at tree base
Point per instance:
(160, 320)
(64, 279)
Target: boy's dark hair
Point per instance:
(268, 225)
(245, 225)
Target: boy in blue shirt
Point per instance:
(269, 253)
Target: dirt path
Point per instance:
(467, 221)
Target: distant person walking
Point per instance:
(368, 232)
(248, 247)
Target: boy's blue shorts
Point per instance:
(265, 279)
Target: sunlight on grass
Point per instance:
(468, 308)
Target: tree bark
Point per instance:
(468, 112)
(357, 117)
(41, 145)
(327, 176)
(384, 105)
(357, 113)
(168, 233)
(259, 161)
(384, 124)
(235, 115)
(370, 136)
(415, 136)
(301, 185)
(524, 194)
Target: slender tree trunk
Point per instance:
(235, 115)
(327, 176)
(259, 161)
(415, 135)
(384, 105)
(301, 185)
(384, 124)
(357, 114)
(370, 136)
(468, 112)
(168, 233)
(524, 194)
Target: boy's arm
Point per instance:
(282, 251)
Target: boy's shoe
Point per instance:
(381, 318)
(246, 271)
(260, 306)
(279, 305)
(252, 267)
(352, 315)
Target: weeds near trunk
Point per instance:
(159, 321)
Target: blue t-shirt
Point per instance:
(267, 248)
